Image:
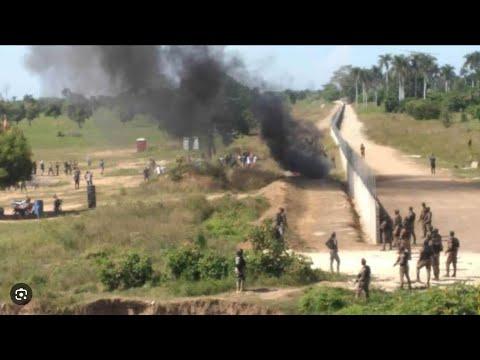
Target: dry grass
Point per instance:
(423, 137)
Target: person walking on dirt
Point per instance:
(397, 227)
(76, 178)
(386, 228)
(332, 245)
(240, 266)
(281, 222)
(411, 225)
(421, 219)
(433, 161)
(89, 162)
(470, 144)
(363, 280)
(23, 185)
(65, 167)
(427, 220)
(34, 168)
(362, 150)
(57, 167)
(102, 166)
(146, 174)
(452, 252)
(437, 248)
(402, 261)
(89, 178)
(57, 205)
(42, 167)
(50, 169)
(425, 260)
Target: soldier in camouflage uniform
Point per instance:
(452, 251)
(437, 248)
(363, 280)
(386, 228)
(427, 219)
(411, 225)
(332, 245)
(425, 260)
(421, 217)
(397, 227)
(402, 261)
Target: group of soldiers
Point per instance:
(69, 167)
(432, 247)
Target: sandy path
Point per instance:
(402, 182)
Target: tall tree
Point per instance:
(427, 67)
(472, 66)
(448, 74)
(400, 68)
(356, 73)
(376, 80)
(384, 61)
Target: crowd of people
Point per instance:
(245, 159)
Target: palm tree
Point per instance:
(384, 61)
(472, 64)
(427, 66)
(356, 72)
(364, 77)
(448, 74)
(414, 62)
(400, 68)
(376, 80)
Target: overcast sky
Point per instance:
(296, 67)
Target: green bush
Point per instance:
(133, 270)
(474, 111)
(445, 117)
(391, 104)
(464, 117)
(190, 263)
(15, 157)
(422, 109)
(213, 266)
(325, 300)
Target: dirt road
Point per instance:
(402, 182)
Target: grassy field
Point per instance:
(311, 109)
(423, 137)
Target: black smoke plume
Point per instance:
(191, 90)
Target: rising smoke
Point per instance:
(184, 86)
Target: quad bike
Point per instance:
(22, 208)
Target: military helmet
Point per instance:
(452, 233)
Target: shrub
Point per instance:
(325, 300)
(464, 117)
(132, 271)
(183, 263)
(474, 111)
(213, 266)
(391, 104)
(422, 109)
(135, 270)
(446, 118)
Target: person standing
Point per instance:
(411, 225)
(425, 260)
(421, 219)
(332, 245)
(76, 178)
(386, 232)
(453, 244)
(437, 248)
(89, 178)
(363, 280)
(402, 261)
(433, 161)
(397, 227)
(42, 166)
(281, 222)
(57, 167)
(362, 150)
(57, 204)
(34, 167)
(102, 166)
(50, 169)
(240, 266)
(146, 174)
(427, 220)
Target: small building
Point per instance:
(141, 144)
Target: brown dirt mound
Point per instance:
(136, 307)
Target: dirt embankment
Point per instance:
(120, 306)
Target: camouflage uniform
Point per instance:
(332, 245)
(437, 248)
(363, 281)
(452, 251)
(402, 261)
(411, 225)
(397, 228)
(425, 260)
(386, 232)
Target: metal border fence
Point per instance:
(356, 162)
(361, 181)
